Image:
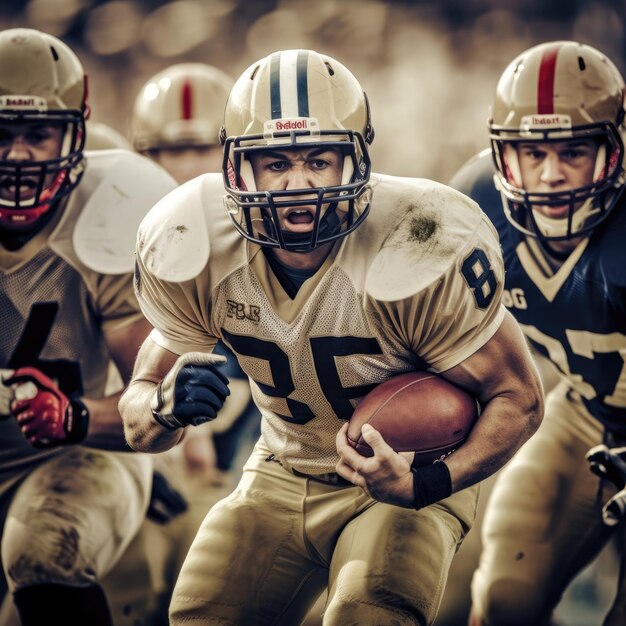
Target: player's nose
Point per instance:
(17, 150)
(298, 177)
(552, 170)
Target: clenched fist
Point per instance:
(192, 392)
(45, 414)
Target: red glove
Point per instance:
(48, 418)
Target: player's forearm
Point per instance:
(106, 430)
(506, 382)
(505, 424)
(143, 433)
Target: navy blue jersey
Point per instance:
(576, 317)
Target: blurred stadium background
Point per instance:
(429, 67)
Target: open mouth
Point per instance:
(8, 187)
(556, 212)
(299, 218)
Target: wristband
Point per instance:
(77, 422)
(167, 421)
(431, 483)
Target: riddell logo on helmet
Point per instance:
(23, 102)
(293, 123)
(548, 120)
(545, 121)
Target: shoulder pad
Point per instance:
(173, 241)
(476, 179)
(432, 223)
(124, 186)
(473, 171)
(609, 239)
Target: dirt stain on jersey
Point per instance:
(172, 231)
(121, 192)
(56, 507)
(422, 228)
(66, 548)
(30, 569)
(27, 572)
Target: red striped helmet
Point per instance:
(183, 105)
(290, 99)
(558, 91)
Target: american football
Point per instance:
(417, 412)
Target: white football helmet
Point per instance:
(41, 80)
(101, 136)
(296, 98)
(181, 106)
(558, 91)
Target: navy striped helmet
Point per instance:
(296, 99)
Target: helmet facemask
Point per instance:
(339, 209)
(51, 179)
(587, 205)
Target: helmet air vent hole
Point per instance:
(55, 56)
(329, 67)
(581, 63)
(254, 71)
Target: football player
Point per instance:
(72, 494)
(325, 280)
(176, 119)
(553, 184)
(177, 116)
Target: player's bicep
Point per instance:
(503, 367)
(153, 362)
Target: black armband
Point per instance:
(77, 422)
(431, 483)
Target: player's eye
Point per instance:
(37, 136)
(573, 154)
(277, 166)
(534, 155)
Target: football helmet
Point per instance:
(559, 91)
(296, 99)
(101, 136)
(183, 105)
(41, 81)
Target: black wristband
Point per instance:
(77, 423)
(431, 483)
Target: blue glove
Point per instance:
(610, 463)
(165, 502)
(191, 393)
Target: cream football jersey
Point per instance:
(55, 303)
(416, 286)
